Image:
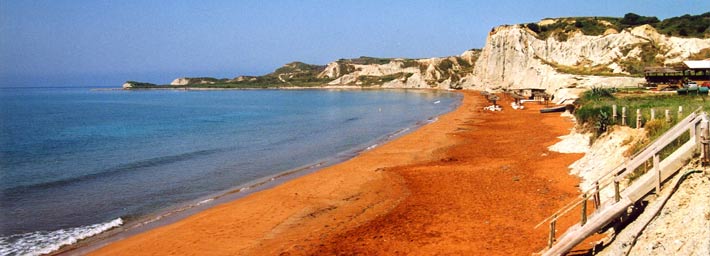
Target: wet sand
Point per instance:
(473, 183)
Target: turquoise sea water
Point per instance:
(75, 161)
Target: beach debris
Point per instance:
(493, 108)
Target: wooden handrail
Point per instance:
(621, 171)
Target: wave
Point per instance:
(398, 133)
(44, 242)
(151, 162)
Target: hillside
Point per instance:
(692, 26)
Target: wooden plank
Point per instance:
(660, 143)
(577, 233)
(644, 184)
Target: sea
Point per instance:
(75, 162)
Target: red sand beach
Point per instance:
(472, 183)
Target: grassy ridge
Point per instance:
(696, 26)
(595, 115)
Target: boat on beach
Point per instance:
(553, 109)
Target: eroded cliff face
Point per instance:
(514, 57)
(442, 73)
(195, 80)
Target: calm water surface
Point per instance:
(74, 157)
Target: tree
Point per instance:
(578, 24)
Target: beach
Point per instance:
(473, 182)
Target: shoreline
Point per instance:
(326, 87)
(303, 215)
(176, 213)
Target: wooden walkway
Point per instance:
(608, 211)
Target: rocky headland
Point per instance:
(550, 54)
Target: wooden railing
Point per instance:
(605, 212)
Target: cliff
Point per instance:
(442, 73)
(515, 57)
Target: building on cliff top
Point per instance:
(695, 70)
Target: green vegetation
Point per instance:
(632, 19)
(135, 84)
(646, 59)
(596, 109)
(582, 69)
(297, 74)
(697, 26)
(686, 26)
(409, 63)
(378, 80)
(364, 60)
(593, 26)
(298, 67)
(601, 100)
(208, 79)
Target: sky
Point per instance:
(104, 43)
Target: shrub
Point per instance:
(578, 24)
(633, 19)
(656, 127)
(534, 27)
(588, 114)
(602, 123)
(597, 93)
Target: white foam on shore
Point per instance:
(44, 242)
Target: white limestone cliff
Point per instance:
(515, 58)
(180, 81)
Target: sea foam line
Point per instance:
(44, 242)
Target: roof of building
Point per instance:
(697, 64)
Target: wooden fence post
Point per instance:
(694, 134)
(657, 169)
(653, 114)
(597, 198)
(668, 116)
(680, 112)
(613, 113)
(638, 118)
(623, 115)
(617, 193)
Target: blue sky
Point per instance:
(103, 43)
